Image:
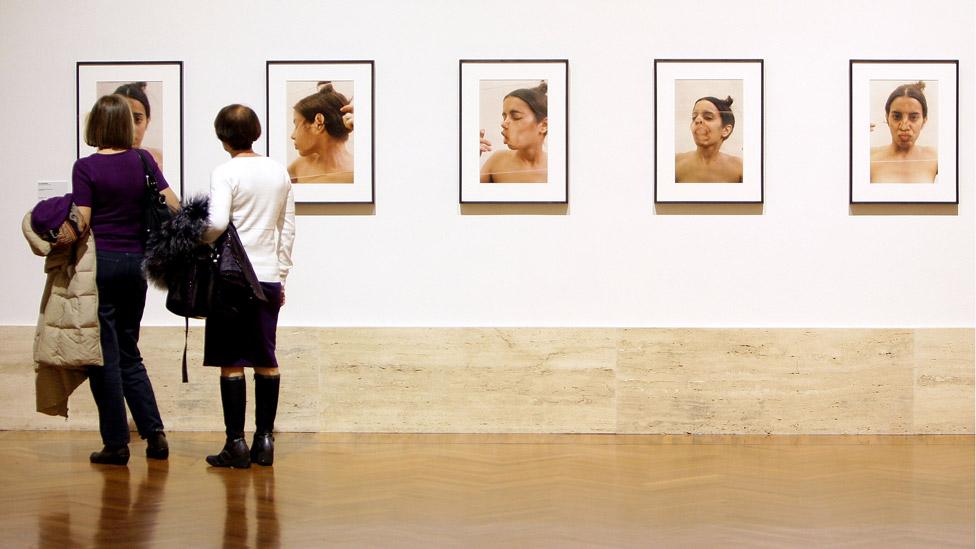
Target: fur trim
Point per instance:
(171, 248)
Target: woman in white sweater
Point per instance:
(254, 193)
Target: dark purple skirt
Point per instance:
(246, 339)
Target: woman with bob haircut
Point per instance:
(712, 123)
(135, 92)
(525, 125)
(902, 161)
(255, 194)
(109, 188)
(322, 128)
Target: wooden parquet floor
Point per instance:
(495, 491)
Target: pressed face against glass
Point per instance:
(140, 120)
(706, 125)
(519, 126)
(905, 121)
(302, 135)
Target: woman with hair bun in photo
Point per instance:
(902, 161)
(525, 124)
(322, 128)
(135, 93)
(712, 123)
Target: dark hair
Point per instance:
(237, 126)
(536, 98)
(109, 123)
(909, 90)
(326, 102)
(137, 91)
(724, 110)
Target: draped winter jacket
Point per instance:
(66, 340)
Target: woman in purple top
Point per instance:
(108, 189)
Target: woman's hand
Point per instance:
(282, 296)
(347, 118)
(485, 144)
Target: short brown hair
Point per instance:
(237, 126)
(109, 123)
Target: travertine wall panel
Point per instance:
(556, 380)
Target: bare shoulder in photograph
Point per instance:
(321, 133)
(525, 125)
(712, 122)
(903, 160)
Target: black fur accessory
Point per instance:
(177, 243)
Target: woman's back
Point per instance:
(254, 192)
(113, 186)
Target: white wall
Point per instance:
(612, 260)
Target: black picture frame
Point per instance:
(90, 74)
(674, 73)
(522, 73)
(869, 81)
(357, 73)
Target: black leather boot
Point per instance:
(233, 397)
(266, 389)
(111, 455)
(234, 454)
(156, 446)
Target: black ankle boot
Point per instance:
(156, 446)
(266, 389)
(233, 397)
(235, 454)
(262, 451)
(111, 455)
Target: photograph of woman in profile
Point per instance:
(712, 122)
(525, 124)
(322, 125)
(255, 194)
(109, 188)
(135, 92)
(902, 160)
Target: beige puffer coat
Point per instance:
(66, 341)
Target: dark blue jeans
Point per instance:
(123, 378)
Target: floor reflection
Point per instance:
(122, 519)
(237, 525)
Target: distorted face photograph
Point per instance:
(908, 151)
(514, 123)
(708, 120)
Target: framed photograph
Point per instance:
(320, 126)
(514, 131)
(708, 131)
(155, 93)
(904, 132)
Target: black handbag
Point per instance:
(214, 280)
(154, 208)
(191, 291)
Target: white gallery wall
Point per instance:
(611, 258)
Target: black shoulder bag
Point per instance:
(154, 208)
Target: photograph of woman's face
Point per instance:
(520, 128)
(906, 122)
(302, 140)
(707, 126)
(148, 127)
(698, 123)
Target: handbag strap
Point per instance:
(151, 184)
(186, 338)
